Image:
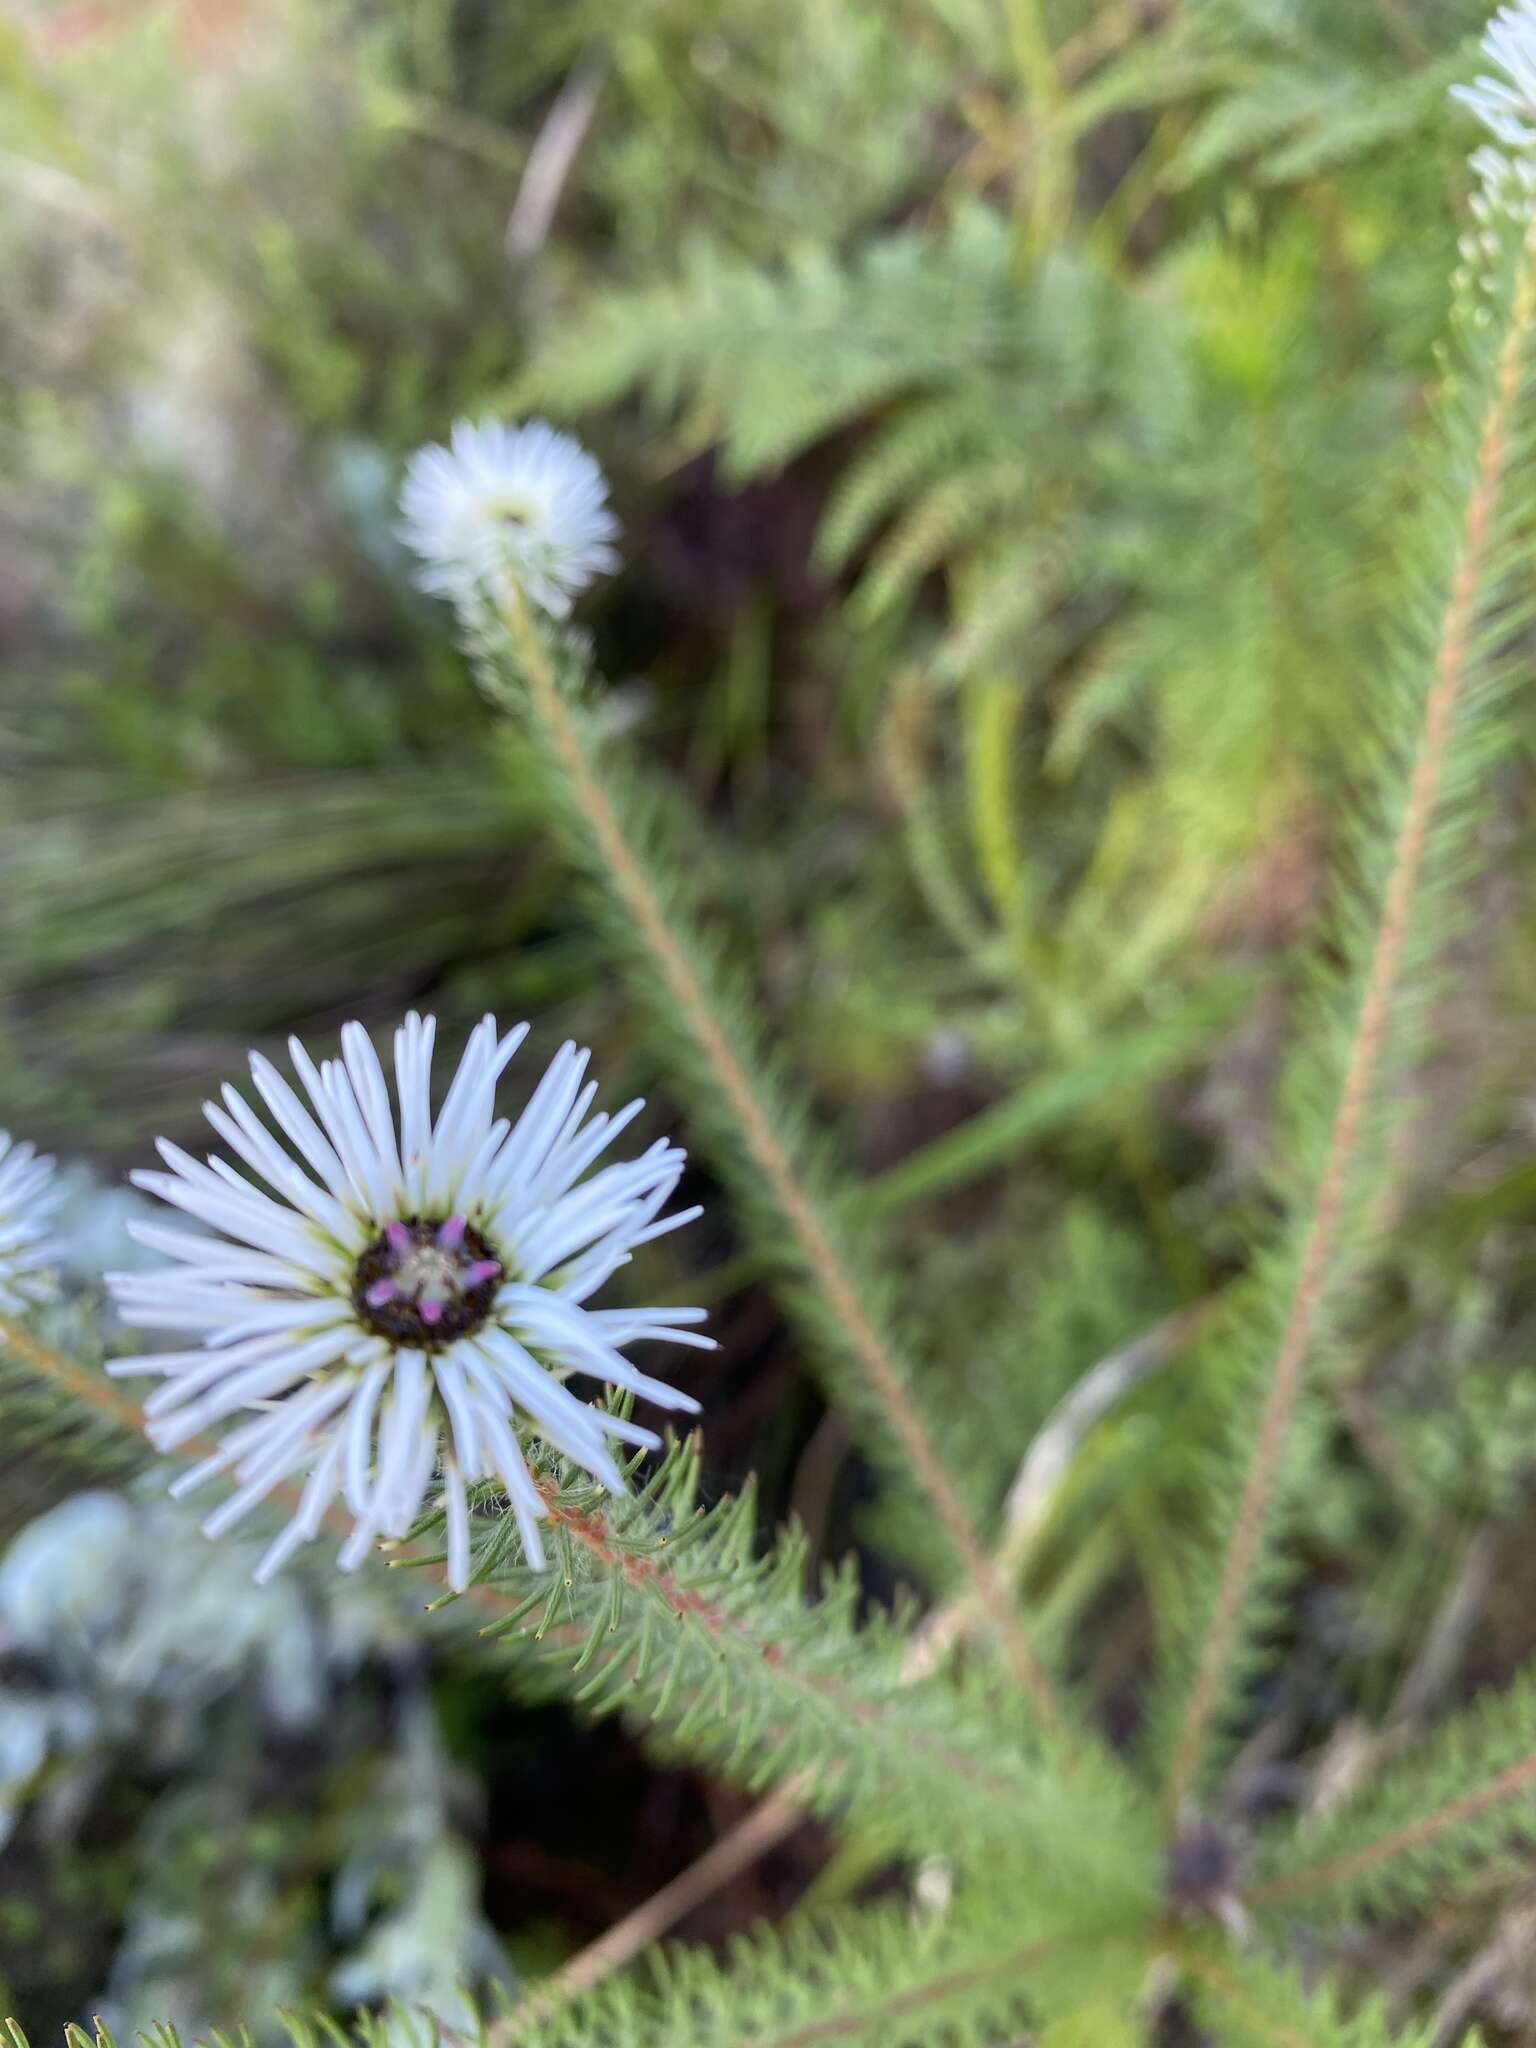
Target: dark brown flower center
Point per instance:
(425, 1281)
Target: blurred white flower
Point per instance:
(1507, 105)
(521, 502)
(402, 1290)
(28, 1199)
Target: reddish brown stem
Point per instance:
(838, 2026)
(589, 1531)
(1361, 1070)
(763, 1142)
(91, 1389)
(1520, 1777)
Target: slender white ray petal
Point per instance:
(357, 1470)
(242, 1130)
(318, 1493)
(502, 1365)
(1507, 106)
(216, 1258)
(362, 1064)
(456, 1509)
(29, 1197)
(525, 503)
(392, 1282)
(527, 1503)
(413, 1066)
(461, 1411)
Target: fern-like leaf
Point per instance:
(1454, 658)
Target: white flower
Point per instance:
(1507, 106)
(28, 1198)
(403, 1290)
(521, 502)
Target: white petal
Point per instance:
(313, 1502)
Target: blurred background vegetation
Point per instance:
(1007, 402)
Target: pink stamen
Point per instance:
(450, 1235)
(431, 1311)
(400, 1239)
(380, 1292)
(481, 1271)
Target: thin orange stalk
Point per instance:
(588, 1531)
(1398, 904)
(835, 2026)
(552, 711)
(1413, 1834)
(94, 1390)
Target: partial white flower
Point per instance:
(521, 502)
(1507, 105)
(28, 1198)
(396, 1298)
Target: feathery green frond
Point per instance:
(1427, 1817)
(928, 436)
(399, 2024)
(998, 1957)
(664, 1609)
(1453, 657)
(1252, 2002)
(617, 832)
(50, 1427)
(770, 363)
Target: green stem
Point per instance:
(1041, 226)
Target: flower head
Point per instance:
(1507, 105)
(28, 1198)
(525, 503)
(398, 1296)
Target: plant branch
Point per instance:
(93, 1390)
(1399, 900)
(1051, 194)
(551, 159)
(763, 1829)
(776, 1818)
(833, 2027)
(1509, 1784)
(633, 886)
(837, 2026)
(642, 1573)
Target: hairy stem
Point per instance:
(776, 1817)
(837, 2026)
(770, 1822)
(1051, 193)
(834, 2026)
(629, 879)
(91, 1389)
(643, 1574)
(1398, 904)
(1510, 1784)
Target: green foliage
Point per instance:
(967, 1974)
(670, 1612)
(1462, 601)
(1259, 2006)
(1028, 619)
(398, 2025)
(1431, 1817)
(41, 1429)
(802, 1219)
